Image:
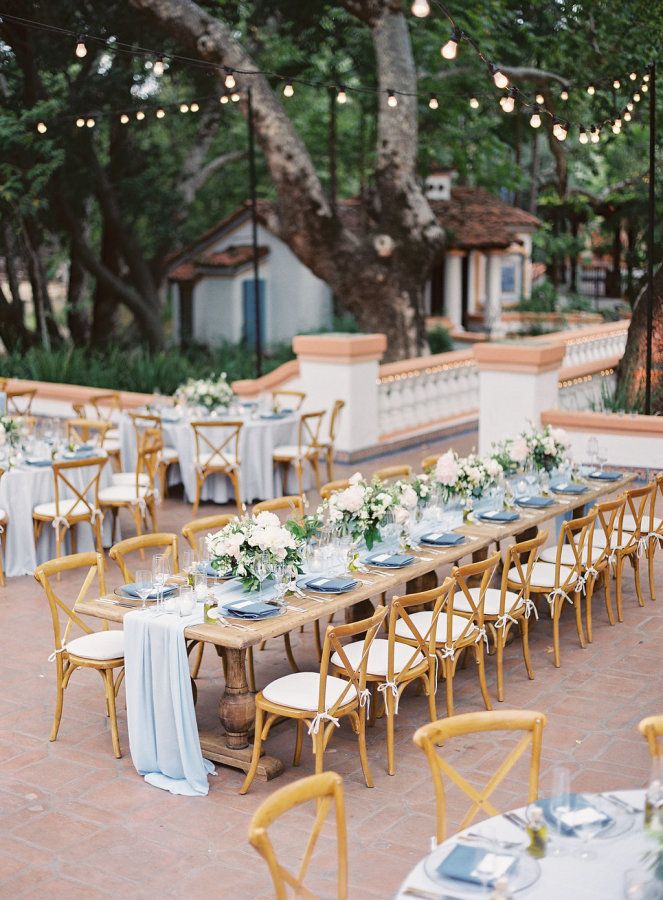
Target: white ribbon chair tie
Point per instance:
(365, 700)
(60, 520)
(481, 635)
(503, 621)
(530, 607)
(320, 717)
(54, 654)
(385, 686)
(554, 594)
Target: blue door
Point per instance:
(249, 305)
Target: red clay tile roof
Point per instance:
(231, 258)
(476, 219)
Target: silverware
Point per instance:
(624, 804)
(118, 603)
(237, 625)
(475, 836)
(515, 819)
(424, 894)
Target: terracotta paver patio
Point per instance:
(76, 822)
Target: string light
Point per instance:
(90, 122)
(224, 98)
(582, 136)
(234, 97)
(645, 78)
(560, 129)
(140, 115)
(615, 127)
(618, 123)
(644, 88)
(421, 9)
(341, 97)
(81, 49)
(450, 49)
(288, 90)
(633, 76)
(230, 80)
(540, 99)
(158, 67)
(591, 90)
(194, 107)
(474, 103)
(564, 95)
(508, 103)
(636, 97)
(41, 127)
(433, 102)
(184, 107)
(392, 99)
(616, 84)
(160, 113)
(595, 135)
(630, 106)
(124, 119)
(80, 123)
(627, 116)
(500, 79)
(535, 119)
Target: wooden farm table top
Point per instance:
(479, 537)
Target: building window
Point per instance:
(508, 278)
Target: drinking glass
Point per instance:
(187, 601)
(560, 804)
(592, 450)
(203, 554)
(200, 586)
(531, 479)
(262, 567)
(282, 577)
(187, 563)
(160, 573)
(143, 585)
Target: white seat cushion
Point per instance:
(300, 691)
(543, 575)
(3, 515)
(422, 622)
(377, 656)
(49, 510)
(628, 523)
(168, 455)
(491, 600)
(111, 445)
(205, 460)
(130, 478)
(121, 493)
(292, 451)
(100, 645)
(113, 434)
(549, 555)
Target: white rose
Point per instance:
(408, 497)
(447, 469)
(519, 450)
(357, 478)
(267, 519)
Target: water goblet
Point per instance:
(187, 563)
(560, 805)
(592, 450)
(143, 585)
(200, 586)
(160, 574)
(261, 567)
(186, 601)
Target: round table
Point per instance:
(259, 478)
(21, 489)
(566, 875)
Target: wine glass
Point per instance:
(160, 574)
(592, 450)
(283, 575)
(531, 479)
(188, 563)
(143, 585)
(560, 805)
(261, 567)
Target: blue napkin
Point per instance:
(278, 415)
(327, 585)
(535, 502)
(38, 461)
(81, 453)
(390, 560)
(605, 476)
(499, 515)
(463, 861)
(249, 609)
(577, 802)
(442, 539)
(132, 591)
(570, 488)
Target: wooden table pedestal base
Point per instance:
(215, 747)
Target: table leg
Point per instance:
(237, 715)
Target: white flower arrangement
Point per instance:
(511, 454)
(234, 548)
(361, 508)
(468, 477)
(547, 447)
(212, 393)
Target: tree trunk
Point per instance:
(613, 278)
(534, 174)
(573, 283)
(632, 368)
(77, 320)
(46, 325)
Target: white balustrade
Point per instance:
(593, 347)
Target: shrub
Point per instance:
(439, 340)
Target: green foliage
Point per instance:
(615, 399)
(543, 299)
(439, 340)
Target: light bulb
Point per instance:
(184, 107)
(535, 120)
(582, 137)
(451, 47)
(140, 115)
(288, 90)
(41, 127)
(594, 137)
(234, 96)
(633, 76)
(160, 113)
(636, 97)
(559, 131)
(616, 84)
(80, 123)
(194, 107)
(627, 116)
(433, 102)
(629, 106)
(564, 95)
(158, 67)
(124, 119)
(392, 99)
(644, 88)
(645, 78)
(616, 128)
(81, 49)
(508, 103)
(90, 123)
(230, 81)
(341, 97)
(421, 9)
(591, 90)
(223, 98)
(540, 99)
(500, 79)
(474, 103)
(618, 123)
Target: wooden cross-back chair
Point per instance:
(638, 537)
(391, 473)
(100, 650)
(327, 790)
(651, 728)
(320, 700)
(407, 655)
(292, 505)
(19, 403)
(428, 463)
(73, 504)
(164, 542)
(333, 487)
(562, 581)
(193, 532)
(107, 405)
(327, 446)
(135, 491)
(293, 399)
(307, 449)
(428, 737)
(168, 455)
(81, 430)
(217, 455)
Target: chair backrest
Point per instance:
(463, 577)
(609, 519)
(659, 484)
(576, 534)
(19, 403)
(521, 556)
(640, 502)
(423, 644)
(194, 530)
(428, 463)
(294, 399)
(68, 494)
(63, 612)
(652, 729)
(327, 789)
(391, 472)
(333, 487)
(165, 542)
(217, 443)
(142, 421)
(308, 432)
(292, 505)
(106, 404)
(432, 735)
(81, 430)
(150, 446)
(334, 419)
(356, 675)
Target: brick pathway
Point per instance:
(75, 822)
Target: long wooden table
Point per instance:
(237, 708)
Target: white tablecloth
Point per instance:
(600, 878)
(259, 480)
(21, 489)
